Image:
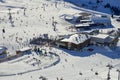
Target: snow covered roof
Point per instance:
(2, 49)
(82, 14)
(109, 31)
(103, 36)
(69, 17)
(76, 38)
(85, 13)
(25, 49)
(77, 15)
(82, 25)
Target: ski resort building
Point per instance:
(83, 17)
(92, 19)
(26, 50)
(74, 42)
(82, 26)
(101, 19)
(107, 37)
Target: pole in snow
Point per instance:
(118, 74)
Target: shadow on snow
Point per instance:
(105, 51)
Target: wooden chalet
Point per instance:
(74, 41)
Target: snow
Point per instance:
(100, 6)
(25, 48)
(82, 25)
(76, 38)
(69, 17)
(37, 21)
(102, 36)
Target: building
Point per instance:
(69, 17)
(3, 52)
(95, 19)
(82, 17)
(101, 19)
(74, 41)
(104, 39)
(25, 50)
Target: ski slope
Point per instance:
(33, 18)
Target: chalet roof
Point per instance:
(76, 38)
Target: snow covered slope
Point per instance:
(98, 5)
(33, 18)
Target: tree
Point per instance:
(89, 2)
(107, 5)
(97, 1)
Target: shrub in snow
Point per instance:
(80, 73)
(61, 79)
(43, 78)
(91, 69)
(96, 73)
(65, 60)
